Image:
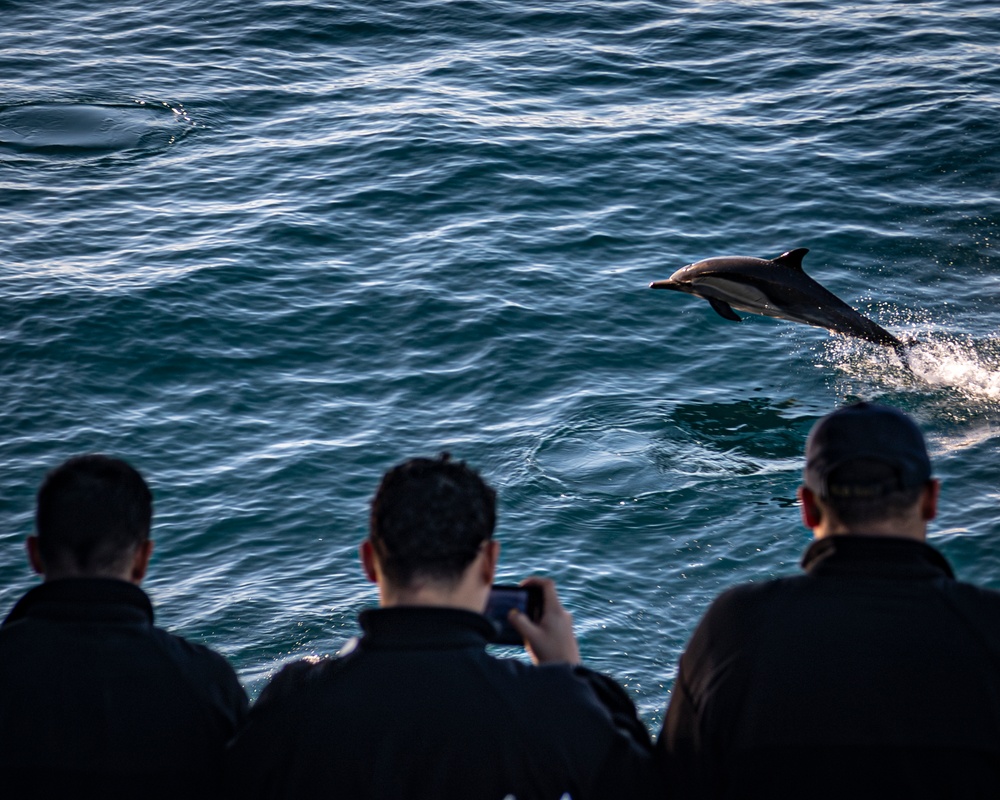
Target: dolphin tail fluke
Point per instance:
(902, 345)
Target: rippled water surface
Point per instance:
(265, 250)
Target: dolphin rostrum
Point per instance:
(777, 288)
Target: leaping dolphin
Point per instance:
(777, 288)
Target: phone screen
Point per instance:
(526, 599)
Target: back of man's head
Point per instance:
(92, 512)
(429, 519)
(866, 463)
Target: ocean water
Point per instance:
(266, 249)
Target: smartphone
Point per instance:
(526, 599)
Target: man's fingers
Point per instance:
(550, 639)
(520, 623)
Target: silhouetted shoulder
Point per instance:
(296, 677)
(978, 606)
(747, 600)
(619, 705)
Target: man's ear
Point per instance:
(929, 499)
(812, 515)
(35, 555)
(491, 557)
(140, 561)
(368, 560)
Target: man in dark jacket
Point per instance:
(95, 701)
(874, 674)
(418, 709)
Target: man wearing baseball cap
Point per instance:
(873, 674)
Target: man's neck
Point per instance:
(429, 593)
(469, 590)
(893, 529)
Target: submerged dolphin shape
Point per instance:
(88, 127)
(777, 288)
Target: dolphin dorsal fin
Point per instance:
(792, 259)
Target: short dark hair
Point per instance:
(865, 491)
(429, 517)
(866, 463)
(870, 448)
(92, 511)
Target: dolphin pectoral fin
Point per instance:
(723, 309)
(792, 259)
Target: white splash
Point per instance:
(960, 367)
(937, 362)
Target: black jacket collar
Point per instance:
(875, 556)
(424, 627)
(85, 599)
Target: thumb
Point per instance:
(521, 623)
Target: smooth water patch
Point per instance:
(80, 128)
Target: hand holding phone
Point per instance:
(526, 599)
(550, 638)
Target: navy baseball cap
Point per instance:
(865, 450)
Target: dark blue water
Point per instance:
(265, 250)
